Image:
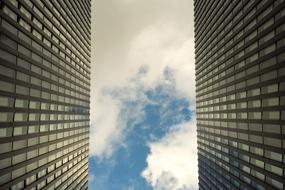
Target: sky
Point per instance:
(143, 126)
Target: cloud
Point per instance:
(172, 162)
(141, 47)
(151, 54)
(106, 129)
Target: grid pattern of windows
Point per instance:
(240, 86)
(44, 94)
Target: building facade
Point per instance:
(44, 94)
(240, 86)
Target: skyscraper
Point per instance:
(44, 94)
(240, 85)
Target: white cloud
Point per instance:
(172, 162)
(150, 49)
(105, 130)
(160, 46)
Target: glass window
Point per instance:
(5, 132)
(19, 158)
(36, 58)
(33, 129)
(272, 142)
(252, 81)
(18, 173)
(270, 89)
(37, 23)
(14, 2)
(7, 41)
(47, 42)
(274, 169)
(24, 51)
(20, 117)
(5, 86)
(36, 69)
(7, 56)
(23, 77)
(25, 12)
(22, 90)
(25, 25)
(267, 37)
(19, 144)
(251, 36)
(271, 115)
(257, 162)
(10, 13)
(9, 27)
(35, 93)
(274, 182)
(254, 115)
(33, 141)
(254, 92)
(254, 104)
(38, 12)
(24, 37)
(24, 64)
(32, 154)
(37, 34)
(20, 131)
(7, 71)
(270, 102)
(267, 50)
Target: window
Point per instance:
(33, 129)
(37, 58)
(7, 72)
(270, 89)
(24, 64)
(274, 169)
(7, 56)
(254, 104)
(267, 37)
(250, 36)
(254, 115)
(18, 173)
(24, 51)
(5, 132)
(37, 34)
(252, 69)
(19, 131)
(254, 92)
(272, 142)
(10, 13)
(20, 117)
(257, 162)
(37, 23)
(36, 69)
(271, 115)
(22, 90)
(267, 50)
(25, 25)
(273, 155)
(7, 41)
(23, 77)
(25, 12)
(9, 27)
(19, 144)
(38, 12)
(252, 81)
(270, 102)
(19, 158)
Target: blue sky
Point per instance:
(143, 127)
(160, 111)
